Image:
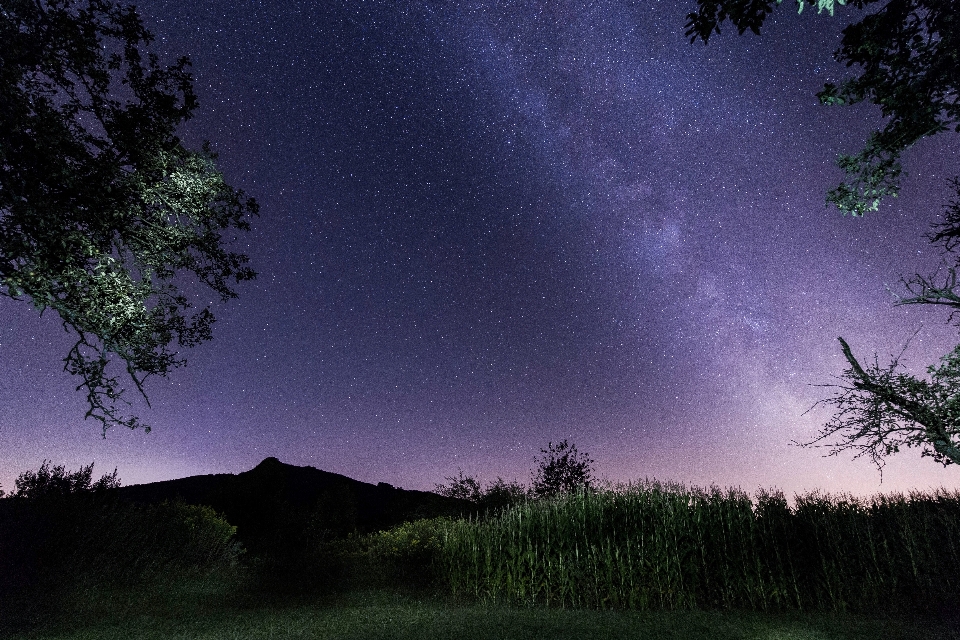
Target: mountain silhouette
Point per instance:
(277, 505)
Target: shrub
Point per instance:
(66, 543)
(408, 554)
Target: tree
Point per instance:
(888, 408)
(561, 470)
(909, 51)
(461, 487)
(497, 495)
(101, 205)
(57, 482)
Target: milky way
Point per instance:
(489, 226)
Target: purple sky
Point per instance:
(490, 225)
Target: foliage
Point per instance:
(83, 543)
(57, 482)
(501, 494)
(101, 205)
(909, 51)
(408, 553)
(334, 515)
(198, 536)
(561, 470)
(401, 557)
(649, 546)
(925, 289)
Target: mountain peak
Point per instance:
(270, 462)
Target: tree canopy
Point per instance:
(101, 205)
(909, 53)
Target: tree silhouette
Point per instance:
(497, 495)
(461, 487)
(561, 470)
(49, 482)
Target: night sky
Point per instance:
(486, 226)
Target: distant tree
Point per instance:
(101, 205)
(50, 482)
(909, 51)
(561, 470)
(461, 487)
(497, 495)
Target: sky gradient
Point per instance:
(486, 226)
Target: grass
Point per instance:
(639, 562)
(213, 611)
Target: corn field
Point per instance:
(652, 546)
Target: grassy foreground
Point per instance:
(216, 609)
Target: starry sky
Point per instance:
(490, 225)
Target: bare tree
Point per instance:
(923, 289)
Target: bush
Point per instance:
(192, 538)
(55, 546)
(407, 555)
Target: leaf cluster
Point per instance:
(746, 14)
(909, 53)
(101, 205)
